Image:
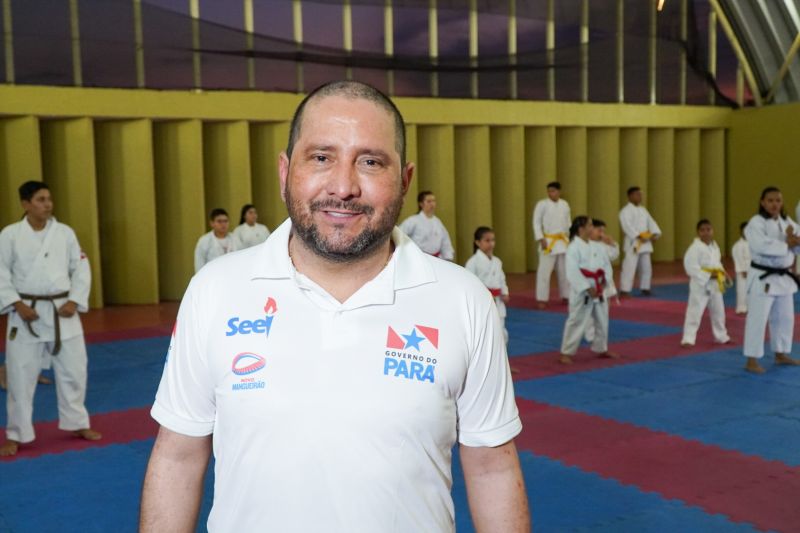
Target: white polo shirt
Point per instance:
(331, 416)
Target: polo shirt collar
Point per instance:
(411, 266)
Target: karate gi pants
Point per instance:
(23, 364)
(581, 314)
(700, 297)
(741, 293)
(632, 264)
(546, 264)
(763, 309)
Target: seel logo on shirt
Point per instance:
(261, 325)
(244, 364)
(409, 355)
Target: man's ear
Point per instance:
(283, 173)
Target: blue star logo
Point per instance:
(413, 340)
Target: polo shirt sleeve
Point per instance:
(185, 398)
(487, 411)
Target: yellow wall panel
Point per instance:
(180, 216)
(267, 141)
(632, 161)
(474, 190)
(410, 203)
(19, 162)
(659, 198)
(68, 160)
(602, 158)
(687, 189)
(436, 153)
(540, 169)
(508, 196)
(712, 187)
(226, 167)
(571, 168)
(126, 198)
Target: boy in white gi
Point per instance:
(42, 263)
(427, 231)
(216, 242)
(588, 270)
(640, 232)
(551, 220)
(741, 262)
(249, 232)
(707, 280)
(774, 240)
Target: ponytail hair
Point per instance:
(245, 209)
(577, 223)
(479, 233)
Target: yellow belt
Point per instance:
(640, 240)
(723, 281)
(553, 239)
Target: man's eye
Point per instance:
(320, 158)
(372, 162)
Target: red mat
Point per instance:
(118, 427)
(743, 487)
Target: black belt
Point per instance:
(773, 271)
(56, 323)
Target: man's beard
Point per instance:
(338, 248)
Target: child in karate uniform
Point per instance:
(588, 269)
(707, 281)
(741, 262)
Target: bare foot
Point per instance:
(565, 359)
(609, 355)
(783, 359)
(3, 384)
(44, 380)
(726, 341)
(565, 301)
(88, 434)
(9, 448)
(686, 345)
(623, 295)
(514, 370)
(646, 292)
(753, 366)
(541, 305)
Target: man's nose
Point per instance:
(343, 181)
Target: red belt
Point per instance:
(599, 277)
(437, 254)
(496, 292)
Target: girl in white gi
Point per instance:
(216, 242)
(707, 280)
(44, 283)
(427, 231)
(249, 232)
(741, 262)
(774, 240)
(551, 220)
(588, 270)
(640, 232)
(489, 269)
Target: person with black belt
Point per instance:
(44, 283)
(774, 240)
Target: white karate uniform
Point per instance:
(209, 247)
(490, 271)
(43, 263)
(797, 217)
(703, 291)
(429, 234)
(611, 288)
(634, 221)
(551, 218)
(248, 235)
(769, 300)
(741, 262)
(584, 310)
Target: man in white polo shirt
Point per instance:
(334, 367)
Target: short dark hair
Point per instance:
(422, 195)
(217, 211)
(479, 233)
(598, 223)
(761, 210)
(742, 226)
(28, 189)
(245, 209)
(353, 90)
(703, 222)
(554, 185)
(633, 189)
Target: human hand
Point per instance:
(505, 297)
(26, 312)
(543, 244)
(655, 237)
(68, 309)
